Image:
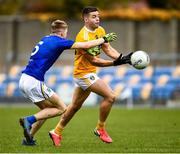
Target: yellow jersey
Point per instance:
(81, 65)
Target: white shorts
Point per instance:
(86, 81)
(34, 89)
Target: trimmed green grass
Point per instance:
(137, 130)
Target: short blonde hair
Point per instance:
(58, 25)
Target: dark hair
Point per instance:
(88, 10)
(57, 25)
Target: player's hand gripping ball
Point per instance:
(140, 59)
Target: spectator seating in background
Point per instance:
(146, 91)
(51, 80)
(158, 71)
(104, 72)
(148, 83)
(2, 78)
(120, 71)
(3, 87)
(55, 71)
(65, 91)
(156, 83)
(107, 78)
(12, 89)
(61, 80)
(176, 72)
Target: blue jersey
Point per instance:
(45, 53)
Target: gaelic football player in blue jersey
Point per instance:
(32, 85)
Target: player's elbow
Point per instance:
(95, 62)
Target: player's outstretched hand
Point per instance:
(123, 59)
(94, 51)
(110, 37)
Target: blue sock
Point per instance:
(31, 119)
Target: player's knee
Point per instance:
(111, 98)
(61, 111)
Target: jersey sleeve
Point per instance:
(67, 44)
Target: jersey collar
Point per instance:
(90, 30)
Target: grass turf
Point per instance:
(136, 130)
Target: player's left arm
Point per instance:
(119, 58)
(110, 51)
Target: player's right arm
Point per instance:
(85, 45)
(89, 44)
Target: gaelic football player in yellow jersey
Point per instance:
(85, 75)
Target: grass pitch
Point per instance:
(136, 130)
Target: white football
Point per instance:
(140, 59)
